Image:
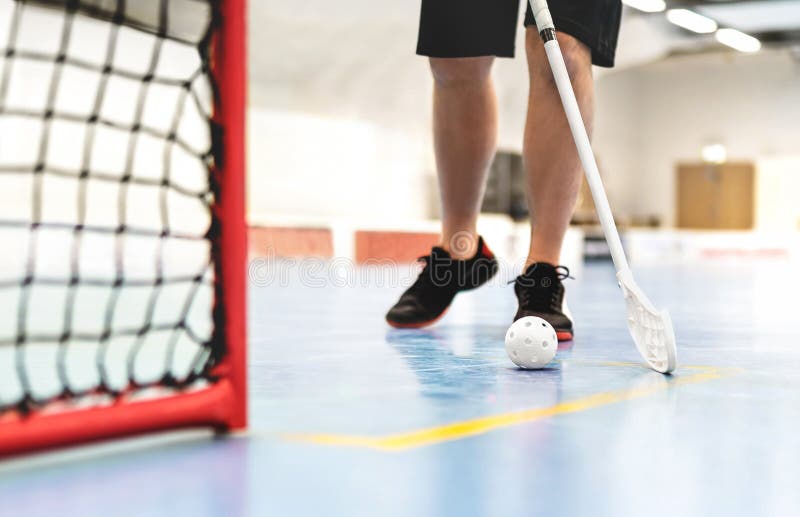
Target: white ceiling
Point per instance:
(780, 15)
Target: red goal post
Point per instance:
(215, 394)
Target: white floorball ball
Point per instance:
(531, 342)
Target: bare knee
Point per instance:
(577, 57)
(462, 72)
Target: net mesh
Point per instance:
(106, 200)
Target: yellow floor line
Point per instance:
(467, 428)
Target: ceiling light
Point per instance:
(691, 21)
(714, 153)
(648, 6)
(738, 40)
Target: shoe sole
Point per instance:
(564, 335)
(561, 335)
(416, 325)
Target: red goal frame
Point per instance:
(223, 405)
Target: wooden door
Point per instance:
(716, 197)
(737, 196)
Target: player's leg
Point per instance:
(461, 38)
(588, 34)
(465, 137)
(553, 168)
(553, 172)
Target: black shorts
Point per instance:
(470, 28)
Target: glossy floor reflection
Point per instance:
(349, 417)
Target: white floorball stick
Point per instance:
(651, 329)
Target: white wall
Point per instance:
(617, 140)
(749, 103)
(778, 193)
(339, 112)
(302, 164)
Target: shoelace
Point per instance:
(543, 297)
(562, 273)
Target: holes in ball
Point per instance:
(527, 323)
(511, 335)
(544, 324)
(528, 341)
(544, 344)
(514, 353)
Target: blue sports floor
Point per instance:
(351, 418)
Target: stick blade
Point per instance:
(651, 329)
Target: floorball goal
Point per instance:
(122, 270)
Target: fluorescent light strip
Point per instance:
(691, 21)
(738, 40)
(648, 6)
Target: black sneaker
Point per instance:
(540, 293)
(440, 280)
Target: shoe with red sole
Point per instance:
(440, 281)
(540, 292)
